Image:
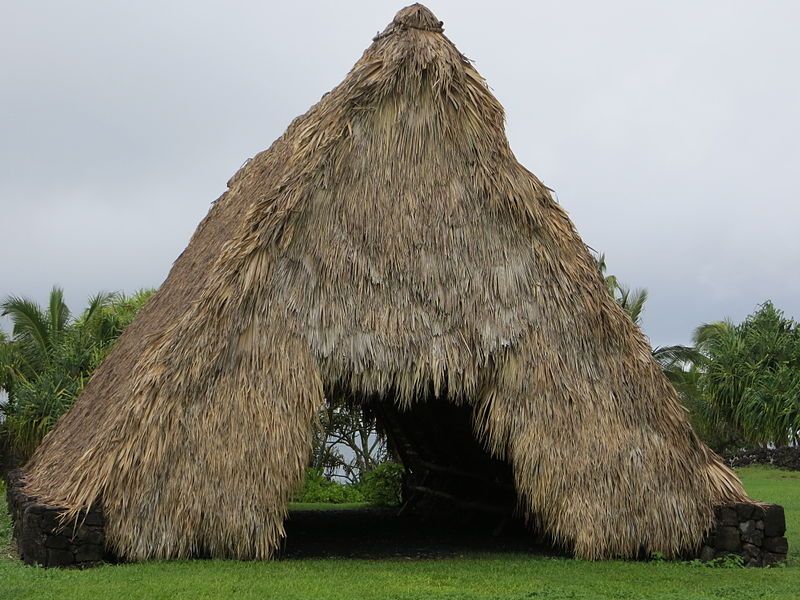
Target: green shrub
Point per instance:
(383, 485)
(317, 489)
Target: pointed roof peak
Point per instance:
(417, 16)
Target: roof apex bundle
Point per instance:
(388, 244)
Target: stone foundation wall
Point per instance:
(752, 531)
(42, 540)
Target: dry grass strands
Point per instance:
(388, 243)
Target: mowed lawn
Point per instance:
(483, 576)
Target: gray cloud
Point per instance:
(668, 130)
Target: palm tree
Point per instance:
(610, 280)
(631, 301)
(741, 383)
(108, 315)
(750, 376)
(50, 357)
(35, 331)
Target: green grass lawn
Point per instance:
(484, 576)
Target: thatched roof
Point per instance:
(388, 243)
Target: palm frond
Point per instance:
(57, 310)
(97, 303)
(632, 302)
(28, 320)
(612, 284)
(707, 332)
(671, 355)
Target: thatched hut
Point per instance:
(390, 248)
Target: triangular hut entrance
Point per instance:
(390, 245)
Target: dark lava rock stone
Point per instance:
(744, 510)
(776, 545)
(727, 539)
(774, 521)
(727, 516)
(751, 555)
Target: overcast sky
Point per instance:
(669, 130)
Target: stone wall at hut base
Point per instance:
(40, 538)
(753, 531)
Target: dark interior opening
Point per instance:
(447, 470)
(456, 497)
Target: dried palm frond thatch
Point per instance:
(387, 244)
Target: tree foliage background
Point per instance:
(740, 383)
(48, 360)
